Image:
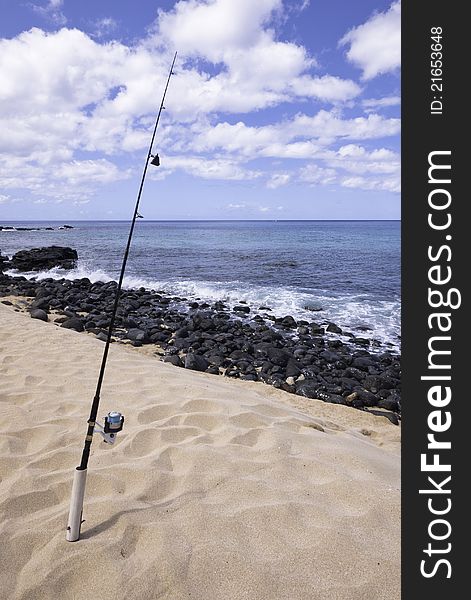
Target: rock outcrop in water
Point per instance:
(41, 259)
(13, 228)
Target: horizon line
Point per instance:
(203, 220)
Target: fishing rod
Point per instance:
(114, 421)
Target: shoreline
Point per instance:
(304, 358)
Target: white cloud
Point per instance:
(257, 70)
(94, 94)
(327, 88)
(51, 11)
(104, 27)
(328, 125)
(56, 72)
(310, 137)
(236, 206)
(4, 199)
(314, 174)
(375, 46)
(212, 168)
(214, 28)
(92, 171)
(362, 166)
(269, 62)
(363, 183)
(247, 87)
(373, 103)
(283, 139)
(234, 138)
(305, 149)
(277, 180)
(74, 180)
(357, 160)
(66, 97)
(63, 89)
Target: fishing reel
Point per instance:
(113, 424)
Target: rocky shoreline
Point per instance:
(302, 357)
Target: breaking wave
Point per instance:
(379, 319)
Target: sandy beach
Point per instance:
(216, 488)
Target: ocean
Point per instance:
(348, 269)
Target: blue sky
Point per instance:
(280, 109)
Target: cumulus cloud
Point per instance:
(56, 72)
(257, 69)
(283, 139)
(212, 29)
(92, 171)
(375, 46)
(74, 180)
(68, 100)
(63, 89)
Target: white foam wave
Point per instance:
(381, 317)
(79, 273)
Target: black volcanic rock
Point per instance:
(333, 328)
(136, 335)
(289, 322)
(39, 259)
(392, 402)
(41, 303)
(308, 388)
(363, 362)
(38, 313)
(278, 357)
(196, 362)
(241, 309)
(74, 323)
(311, 389)
(293, 368)
(173, 360)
